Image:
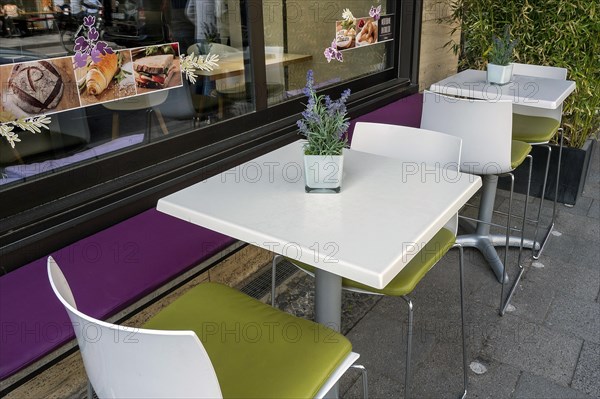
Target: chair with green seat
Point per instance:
(489, 150)
(421, 150)
(537, 126)
(211, 342)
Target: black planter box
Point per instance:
(575, 163)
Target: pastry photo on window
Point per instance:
(108, 78)
(156, 67)
(37, 88)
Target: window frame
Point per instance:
(52, 211)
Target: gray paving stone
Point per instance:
(587, 373)
(499, 381)
(535, 387)
(594, 211)
(581, 208)
(533, 348)
(380, 386)
(531, 301)
(581, 226)
(575, 316)
(572, 277)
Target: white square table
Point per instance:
(385, 212)
(527, 91)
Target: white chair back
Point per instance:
(539, 71)
(485, 128)
(179, 104)
(125, 362)
(419, 149)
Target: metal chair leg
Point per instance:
(512, 187)
(90, 390)
(551, 226)
(504, 303)
(365, 382)
(408, 347)
(462, 318)
(276, 260)
(539, 214)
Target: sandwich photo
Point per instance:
(156, 67)
(154, 72)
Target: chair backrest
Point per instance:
(539, 71)
(419, 149)
(126, 362)
(179, 104)
(485, 128)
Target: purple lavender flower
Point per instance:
(88, 44)
(345, 95)
(89, 21)
(81, 44)
(375, 13)
(332, 52)
(95, 54)
(103, 48)
(80, 59)
(93, 34)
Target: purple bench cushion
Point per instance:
(107, 272)
(406, 112)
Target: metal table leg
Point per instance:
(328, 306)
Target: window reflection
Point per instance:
(295, 33)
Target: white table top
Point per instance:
(365, 233)
(524, 90)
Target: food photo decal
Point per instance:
(352, 32)
(31, 91)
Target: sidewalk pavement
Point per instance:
(547, 346)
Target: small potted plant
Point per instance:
(499, 67)
(324, 124)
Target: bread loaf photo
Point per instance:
(35, 87)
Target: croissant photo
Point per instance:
(101, 74)
(109, 79)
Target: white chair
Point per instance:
(421, 150)
(489, 151)
(212, 342)
(537, 126)
(147, 102)
(179, 105)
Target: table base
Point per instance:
(486, 243)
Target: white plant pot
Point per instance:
(323, 173)
(499, 74)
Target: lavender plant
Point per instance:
(501, 52)
(324, 121)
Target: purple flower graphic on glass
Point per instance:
(88, 44)
(375, 12)
(333, 53)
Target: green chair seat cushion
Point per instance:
(257, 351)
(533, 129)
(409, 277)
(518, 153)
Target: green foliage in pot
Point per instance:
(324, 122)
(501, 48)
(558, 33)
